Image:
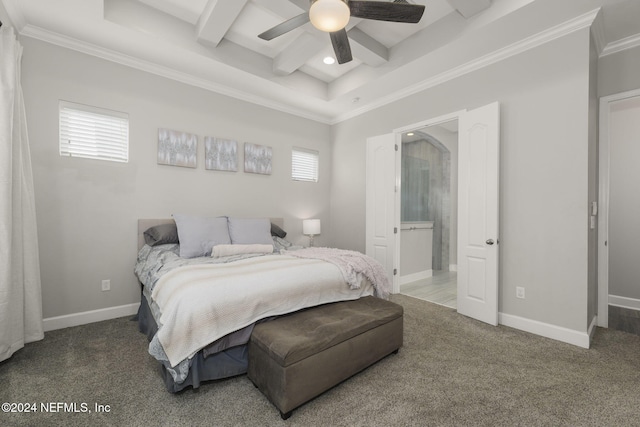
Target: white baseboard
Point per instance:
(453, 267)
(86, 317)
(624, 302)
(569, 336)
(415, 277)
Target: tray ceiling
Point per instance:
(214, 44)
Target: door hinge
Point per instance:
(395, 271)
(397, 148)
(395, 230)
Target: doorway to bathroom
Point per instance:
(475, 215)
(428, 212)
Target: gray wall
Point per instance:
(544, 192)
(87, 209)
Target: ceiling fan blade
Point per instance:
(341, 46)
(398, 11)
(285, 27)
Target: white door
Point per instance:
(381, 201)
(478, 178)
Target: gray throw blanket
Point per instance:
(352, 264)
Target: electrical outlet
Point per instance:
(519, 292)
(106, 285)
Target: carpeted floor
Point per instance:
(451, 371)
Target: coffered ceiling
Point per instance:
(214, 44)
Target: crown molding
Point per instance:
(543, 37)
(598, 33)
(620, 45)
(162, 71)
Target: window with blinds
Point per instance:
(93, 133)
(304, 165)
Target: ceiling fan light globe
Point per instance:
(329, 15)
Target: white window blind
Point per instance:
(304, 165)
(93, 133)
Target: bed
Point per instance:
(198, 310)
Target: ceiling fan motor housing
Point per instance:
(329, 15)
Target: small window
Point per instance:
(93, 133)
(304, 165)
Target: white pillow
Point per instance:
(228, 250)
(199, 234)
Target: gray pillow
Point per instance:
(277, 231)
(198, 235)
(245, 231)
(161, 234)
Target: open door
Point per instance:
(381, 202)
(478, 203)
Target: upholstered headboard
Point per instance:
(145, 223)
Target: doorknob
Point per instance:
(490, 242)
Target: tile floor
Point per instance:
(441, 288)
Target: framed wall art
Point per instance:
(257, 158)
(177, 148)
(220, 154)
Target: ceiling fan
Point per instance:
(332, 16)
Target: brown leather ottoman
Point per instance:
(296, 357)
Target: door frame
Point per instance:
(603, 202)
(398, 135)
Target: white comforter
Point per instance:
(201, 303)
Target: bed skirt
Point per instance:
(228, 363)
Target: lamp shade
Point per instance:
(311, 227)
(329, 15)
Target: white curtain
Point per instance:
(20, 295)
